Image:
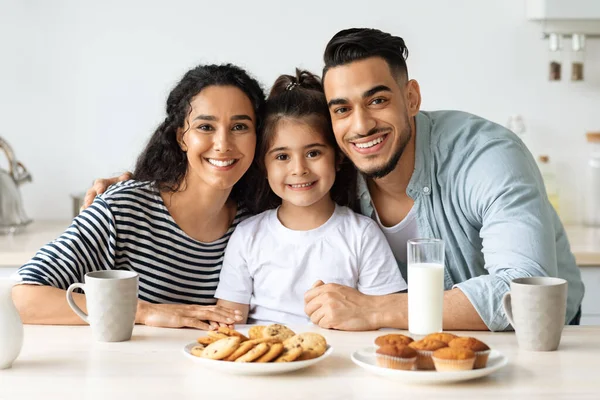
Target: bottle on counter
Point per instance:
(549, 176)
(592, 182)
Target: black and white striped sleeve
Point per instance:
(89, 244)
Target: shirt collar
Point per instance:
(421, 178)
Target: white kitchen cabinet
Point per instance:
(590, 309)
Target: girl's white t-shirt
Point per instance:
(270, 267)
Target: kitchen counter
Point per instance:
(16, 250)
(585, 244)
(63, 362)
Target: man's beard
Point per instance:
(380, 172)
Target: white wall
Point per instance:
(83, 83)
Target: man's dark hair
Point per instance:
(357, 44)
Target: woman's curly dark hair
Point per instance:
(163, 161)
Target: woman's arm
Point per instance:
(88, 245)
(46, 305)
(242, 308)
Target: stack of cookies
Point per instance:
(273, 343)
(438, 351)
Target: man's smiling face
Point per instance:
(369, 113)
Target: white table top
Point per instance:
(64, 362)
(18, 249)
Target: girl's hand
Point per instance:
(185, 315)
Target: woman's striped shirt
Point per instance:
(129, 227)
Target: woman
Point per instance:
(171, 223)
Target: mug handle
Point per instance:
(507, 304)
(71, 302)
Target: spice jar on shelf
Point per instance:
(577, 56)
(592, 182)
(555, 56)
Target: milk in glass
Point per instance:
(425, 297)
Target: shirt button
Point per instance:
(426, 190)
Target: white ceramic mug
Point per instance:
(111, 297)
(536, 309)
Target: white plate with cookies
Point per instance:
(260, 350)
(367, 358)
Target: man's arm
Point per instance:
(99, 186)
(340, 307)
(504, 194)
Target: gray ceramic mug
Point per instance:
(111, 298)
(536, 309)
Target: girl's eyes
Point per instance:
(310, 154)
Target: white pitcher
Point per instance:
(11, 327)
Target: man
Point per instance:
(443, 174)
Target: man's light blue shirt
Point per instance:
(476, 186)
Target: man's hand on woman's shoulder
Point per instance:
(100, 186)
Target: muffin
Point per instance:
(425, 348)
(393, 339)
(481, 350)
(453, 359)
(396, 356)
(441, 336)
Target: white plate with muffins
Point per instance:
(262, 350)
(437, 358)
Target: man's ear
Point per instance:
(413, 97)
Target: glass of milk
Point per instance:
(425, 263)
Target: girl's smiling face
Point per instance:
(300, 164)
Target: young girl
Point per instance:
(307, 233)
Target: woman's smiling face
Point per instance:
(219, 137)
